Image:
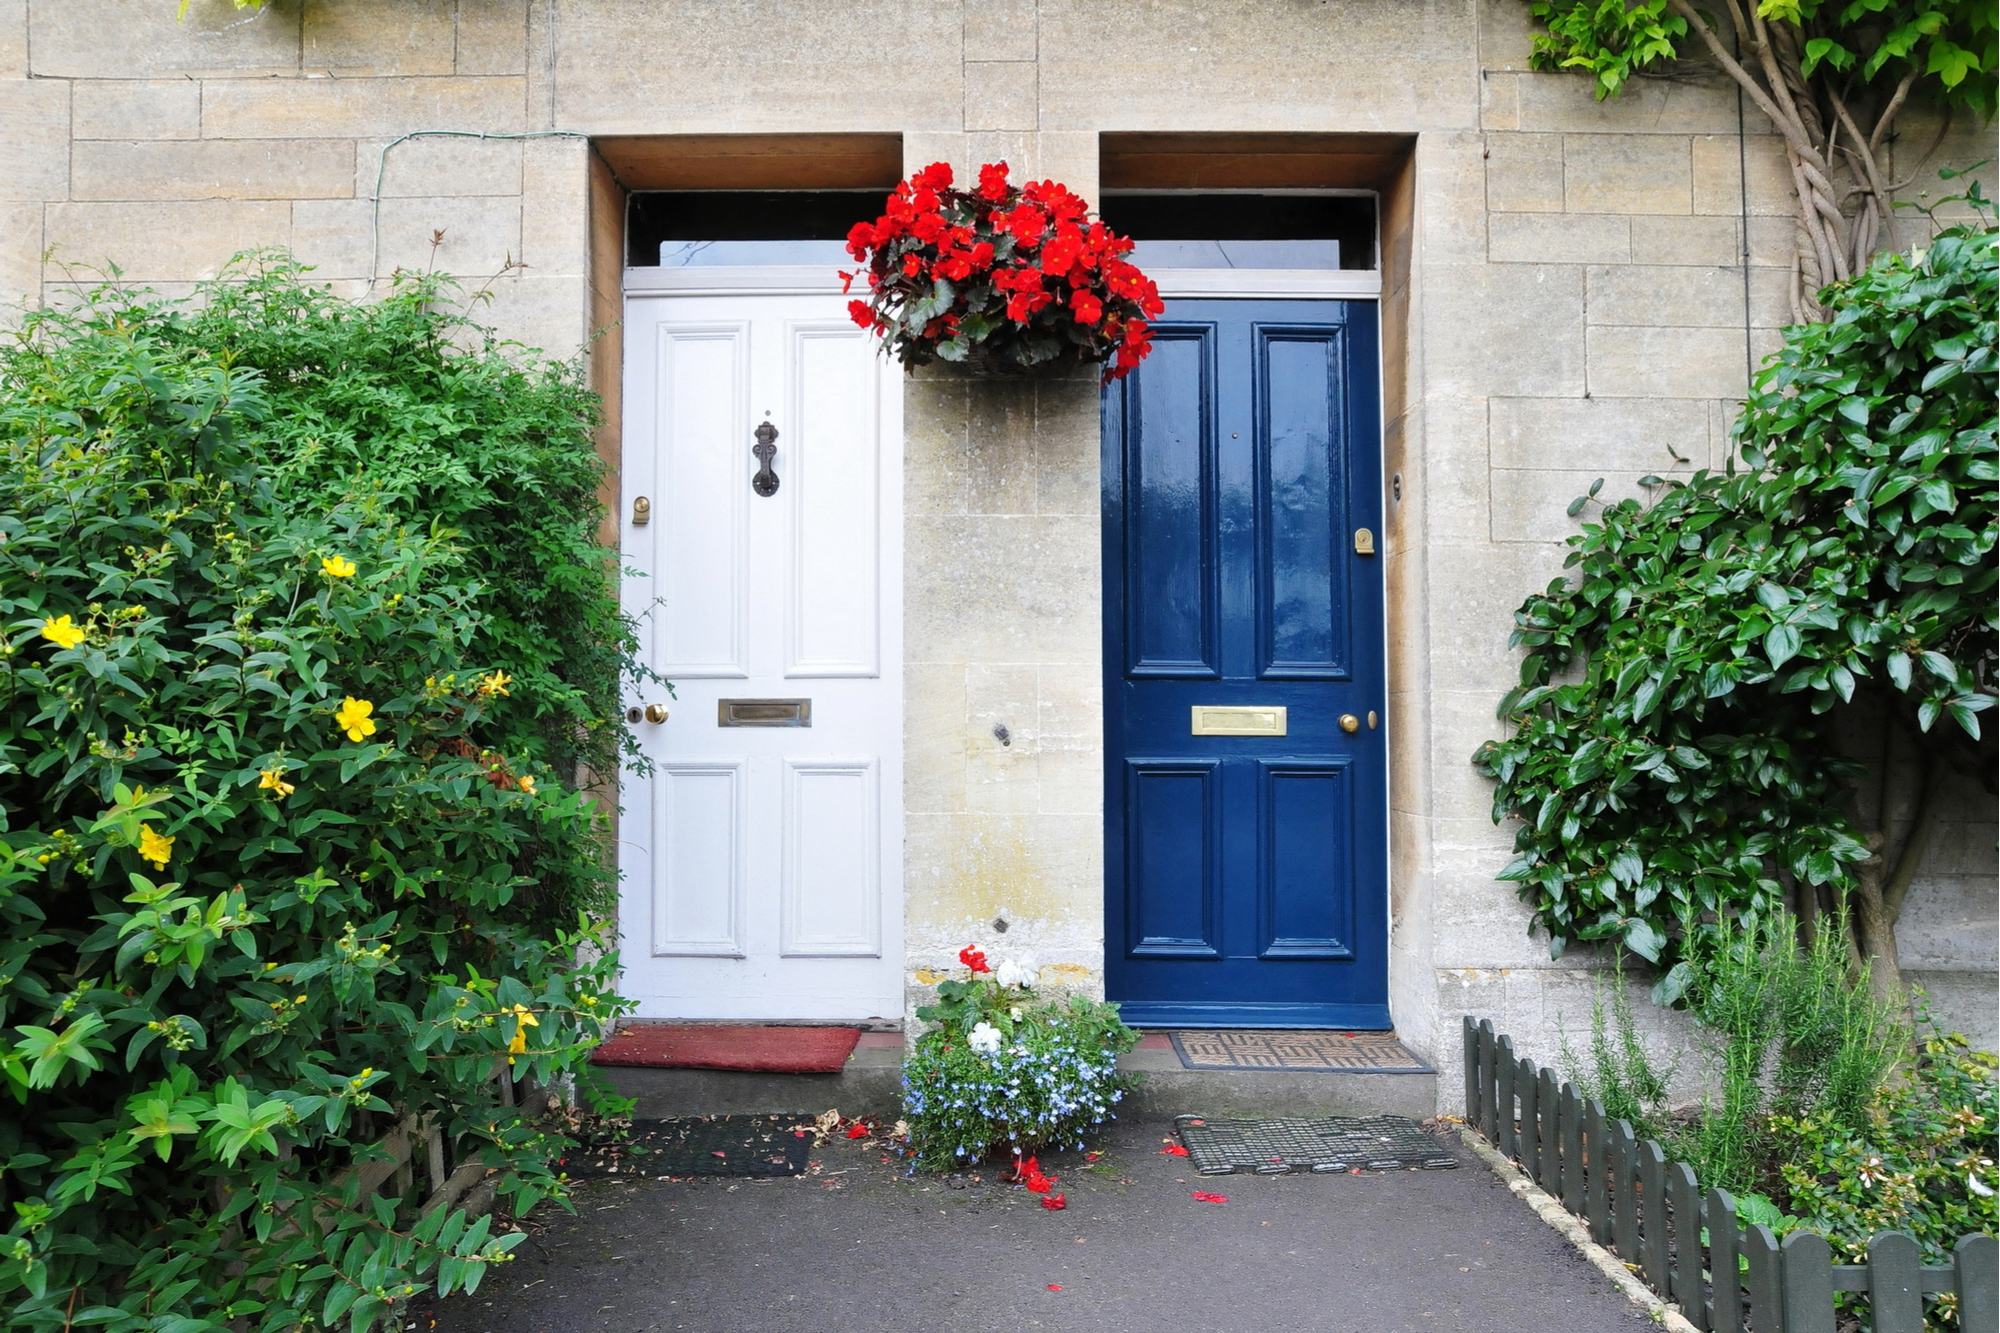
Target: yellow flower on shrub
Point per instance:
(154, 848)
(354, 720)
(523, 1020)
(528, 785)
(495, 682)
(273, 779)
(63, 632)
(337, 567)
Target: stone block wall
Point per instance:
(1579, 306)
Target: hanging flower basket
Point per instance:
(1005, 280)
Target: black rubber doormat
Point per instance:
(715, 1145)
(1322, 1144)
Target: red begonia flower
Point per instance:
(993, 182)
(1055, 1203)
(859, 312)
(973, 959)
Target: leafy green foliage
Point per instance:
(1921, 1161)
(1006, 1071)
(1949, 44)
(1618, 1073)
(1670, 759)
(270, 819)
(407, 407)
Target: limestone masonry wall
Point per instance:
(1578, 307)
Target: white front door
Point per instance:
(763, 863)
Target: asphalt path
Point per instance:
(857, 1246)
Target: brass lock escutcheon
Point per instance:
(642, 512)
(1364, 542)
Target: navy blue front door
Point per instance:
(1246, 875)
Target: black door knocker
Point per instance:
(765, 483)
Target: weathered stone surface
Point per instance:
(410, 37)
(480, 235)
(1638, 435)
(1532, 505)
(305, 108)
(1451, 188)
(20, 258)
(1628, 362)
(548, 313)
(213, 169)
(1524, 173)
(1718, 182)
(1000, 29)
(13, 39)
(440, 165)
(136, 109)
(1563, 101)
(34, 145)
(1626, 173)
(555, 224)
(165, 242)
(335, 236)
(137, 39)
(1555, 238)
(1672, 295)
(492, 37)
(690, 66)
(1503, 328)
(1001, 95)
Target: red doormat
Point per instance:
(752, 1048)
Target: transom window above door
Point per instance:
(1246, 229)
(735, 228)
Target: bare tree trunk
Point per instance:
(1843, 194)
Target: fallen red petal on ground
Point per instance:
(1203, 1196)
(1174, 1150)
(1055, 1286)
(1055, 1202)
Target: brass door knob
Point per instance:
(1350, 723)
(656, 712)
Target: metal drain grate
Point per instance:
(1324, 1144)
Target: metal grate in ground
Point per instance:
(1322, 1144)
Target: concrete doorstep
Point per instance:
(872, 1085)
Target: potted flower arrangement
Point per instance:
(1004, 1070)
(1004, 279)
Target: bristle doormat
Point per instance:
(1333, 1052)
(714, 1145)
(1323, 1144)
(751, 1048)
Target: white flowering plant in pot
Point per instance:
(1003, 1070)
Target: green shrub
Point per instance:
(269, 820)
(1921, 1160)
(1618, 1074)
(1005, 1071)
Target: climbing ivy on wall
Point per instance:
(1673, 756)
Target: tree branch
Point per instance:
(1883, 121)
(1737, 72)
(1915, 843)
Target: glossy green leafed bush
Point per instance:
(270, 828)
(1668, 754)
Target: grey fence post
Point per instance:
(1503, 1057)
(1570, 1130)
(1895, 1283)
(1808, 1283)
(1529, 1146)
(1551, 1144)
(1725, 1283)
(1471, 1072)
(1688, 1287)
(1597, 1185)
(1624, 1195)
(1767, 1295)
(1489, 1083)
(1653, 1215)
(1977, 1259)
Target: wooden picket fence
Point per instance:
(1651, 1213)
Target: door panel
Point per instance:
(762, 865)
(1246, 874)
